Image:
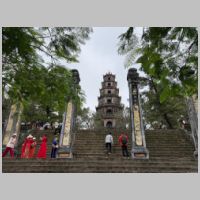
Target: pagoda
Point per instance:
(109, 103)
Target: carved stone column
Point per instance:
(67, 132)
(192, 109)
(139, 150)
(14, 122)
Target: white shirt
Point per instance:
(11, 142)
(109, 139)
(56, 124)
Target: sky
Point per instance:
(99, 56)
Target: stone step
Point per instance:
(165, 144)
(170, 151)
(104, 162)
(119, 154)
(80, 145)
(147, 138)
(102, 169)
(101, 166)
(162, 152)
(6, 160)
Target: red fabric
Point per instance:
(120, 140)
(26, 148)
(7, 150)
(32, 150)
(43, 148)
(23, 149)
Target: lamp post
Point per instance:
(139, 150)
(65, 150)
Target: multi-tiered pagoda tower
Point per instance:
(109, 103)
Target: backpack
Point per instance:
(124, 140)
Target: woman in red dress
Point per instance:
(27, 146)
(32, 149)
(23, 148)
(43, 148)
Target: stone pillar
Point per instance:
(192, 109)
(67, 132)
(13, 123)
(139, 150)
(195, 101)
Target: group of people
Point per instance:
(29, 147)
(123, 141)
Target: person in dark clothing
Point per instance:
(123, 141)
(58, 129)
(54, 147)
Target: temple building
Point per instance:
(109, 103)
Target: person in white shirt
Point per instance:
(10, 146)
(109, 142)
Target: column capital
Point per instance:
(75, 75)
(133, 76)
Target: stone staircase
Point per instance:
(170, 151)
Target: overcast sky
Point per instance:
(98, 57)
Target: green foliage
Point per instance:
(166, 113)
(169, 58)
(56, 89)
(18, 44)
(85, 119)
(168, 55)
(98, 123)
(165, 94)
(128, 43)
(26, 78)
(24, 44)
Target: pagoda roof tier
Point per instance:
(113, 81)
(109, 95)
(110, 105)
(104, 116)
(109, 116)
(110, 87)
(109, 74)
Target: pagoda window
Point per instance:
(109, 101)
(109, 111)
(109, 124)
(109, 91)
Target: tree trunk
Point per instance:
(14, 122)
(167, 120)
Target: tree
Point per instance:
(22, 62)
(24, 44)
(166, 114)
(169, 58)
(27, 78)
(98, 124)
(123, 118)
(168, 55)
(85, 119)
